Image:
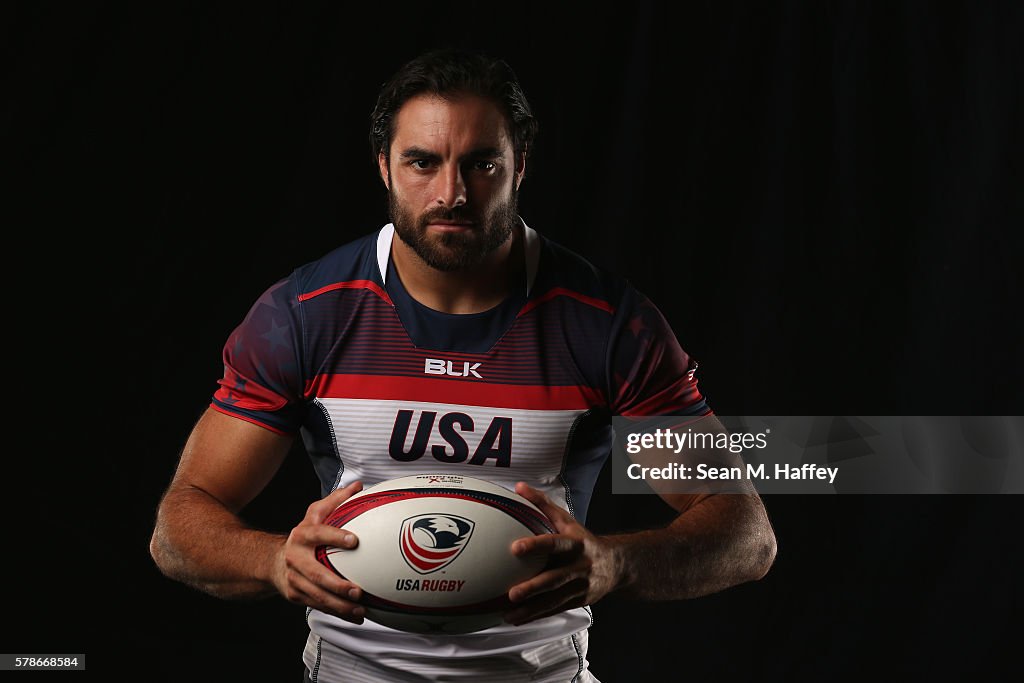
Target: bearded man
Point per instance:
(358, 353)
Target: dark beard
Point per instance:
(451, 252)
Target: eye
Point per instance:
(483, 165)
(421, 164)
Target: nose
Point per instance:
(451, 187)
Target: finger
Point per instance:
(318, 511)
(545, 582)
(572, 594)
(555, 513)
(316, 597)
(546, 544)
(313, 535)
(328, 578)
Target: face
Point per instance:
(452, 180)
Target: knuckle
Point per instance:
(328, 582)
(299, 535)
(293, 557)
(290, 575)
(291, 594)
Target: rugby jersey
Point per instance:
(379, 386)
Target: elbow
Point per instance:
(167, 544)
(163, 553)
(767, 550)
(764, 546)
(159, 553)
(761, 543)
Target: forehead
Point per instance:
(461, 122)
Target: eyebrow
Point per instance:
(478, 153)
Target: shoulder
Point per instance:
(563, 271)
(353, 263)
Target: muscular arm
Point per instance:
(719, 541)
(716, 542)
(200, 540)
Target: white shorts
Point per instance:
(559, 661)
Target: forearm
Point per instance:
(722, 541)
(201, 543)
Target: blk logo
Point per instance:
(436, 366)
(432, 542)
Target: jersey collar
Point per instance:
(531, 244)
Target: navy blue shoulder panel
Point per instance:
(562, 268)
(352, 262)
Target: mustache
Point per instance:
(442, 214)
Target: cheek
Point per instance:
(410, 191)
(492, 192)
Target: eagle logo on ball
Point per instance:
(432, 542)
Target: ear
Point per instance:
(520, 168)
(382, 166)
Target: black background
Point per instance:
(824, 199)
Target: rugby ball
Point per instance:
(435, 551)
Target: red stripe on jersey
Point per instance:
(249, 419)
(562, 291)
(243, 393)
(352, 284)
(679, 396)
(460, 392)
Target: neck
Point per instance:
(466, 291)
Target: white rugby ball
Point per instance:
(434, 553)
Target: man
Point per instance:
(455, 339)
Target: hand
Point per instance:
(582, 568)
(298, 575)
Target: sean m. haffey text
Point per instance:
(668, 440)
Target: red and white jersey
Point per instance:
(380, 386)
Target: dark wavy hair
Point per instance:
(449, 72)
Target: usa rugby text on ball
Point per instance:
(677, 471)
(436, 585)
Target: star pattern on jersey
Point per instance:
(637, 326)
(270, 300)
(276, 335)
(232, 383)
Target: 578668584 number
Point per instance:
(52, 662)
(45, 661)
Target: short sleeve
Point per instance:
(262, 381)
(649, 372)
